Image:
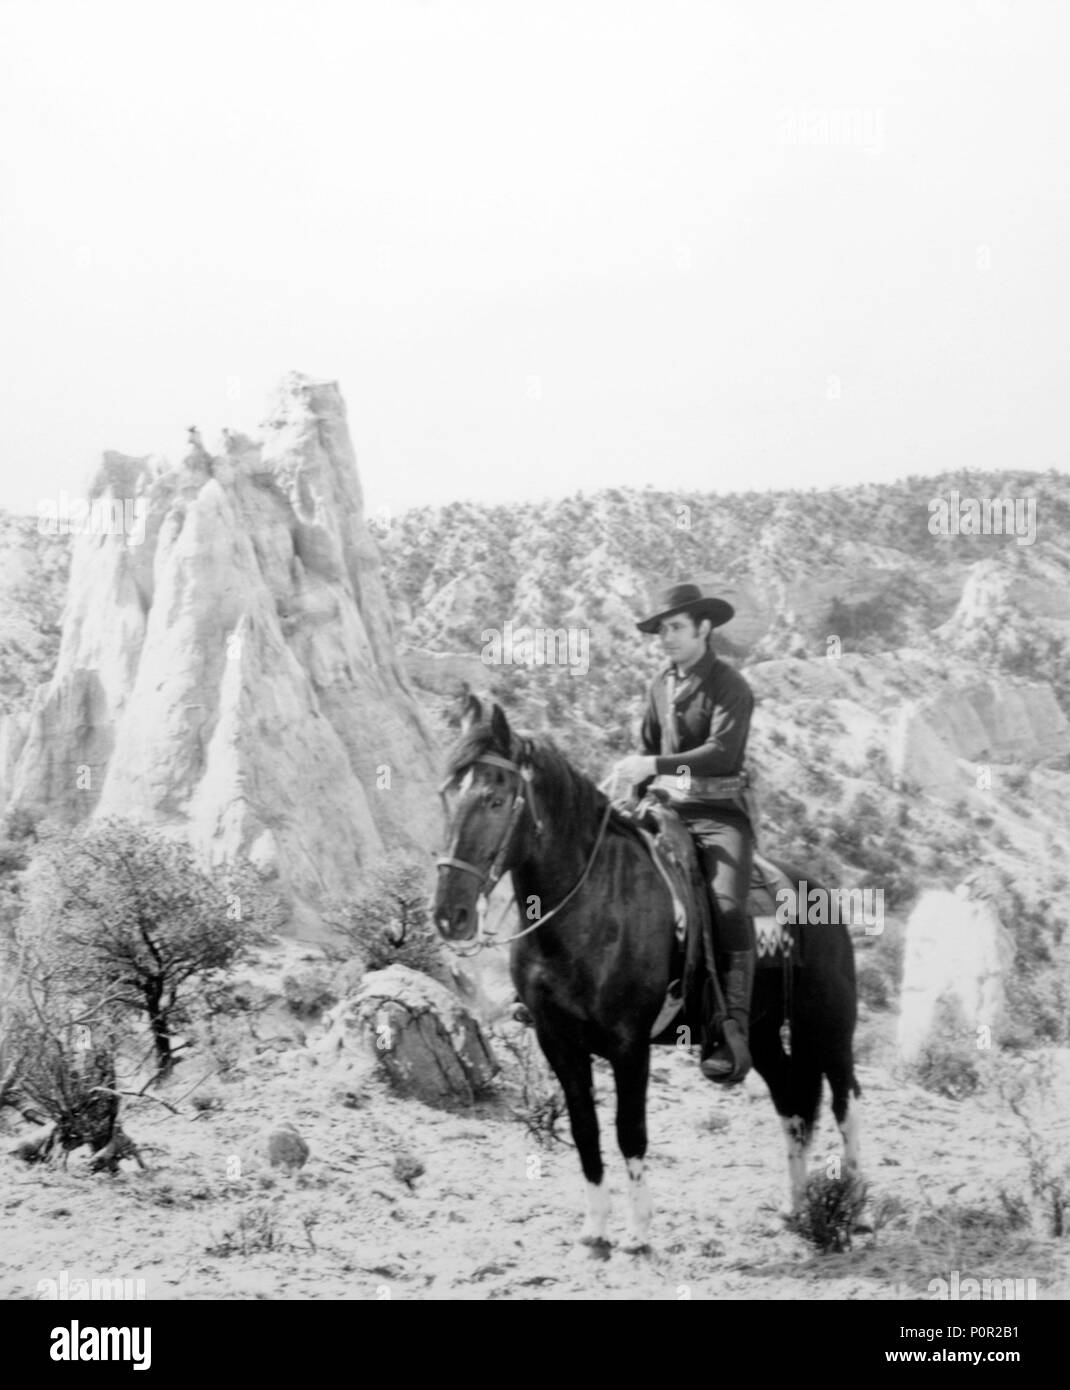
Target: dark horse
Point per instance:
(593, 954)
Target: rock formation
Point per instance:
(990, 721)
(227, 671)
(430, 1046)
(955, 946)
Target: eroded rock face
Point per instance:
(955, 946)
(232, 677)
(993, 721)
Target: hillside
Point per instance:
(913, 689)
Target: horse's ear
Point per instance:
(471, 711)
(499, 727)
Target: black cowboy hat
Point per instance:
(687, 598)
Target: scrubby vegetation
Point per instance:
(387, 921)
(112, 939)
(832, 1206)
(949, 1060)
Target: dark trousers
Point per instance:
(725, 844)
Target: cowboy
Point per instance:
(694, 738)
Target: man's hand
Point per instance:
(635, 769)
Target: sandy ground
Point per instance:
(495, 1216)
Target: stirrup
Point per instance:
(726, 1064)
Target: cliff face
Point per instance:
(984, 722)
(232, 676)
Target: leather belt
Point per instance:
(701, 788)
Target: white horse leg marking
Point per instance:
(594, 1227)
(640, 1207)
(798, 1144)
(850, 1130)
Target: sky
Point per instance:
(540, 247)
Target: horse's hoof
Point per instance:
(598, 1246)
(636, 1245)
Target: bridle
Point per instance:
(489, 878)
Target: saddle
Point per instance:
(674, 855)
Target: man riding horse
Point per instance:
(694, 739)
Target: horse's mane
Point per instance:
(570, 800)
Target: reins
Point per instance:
(489, 879)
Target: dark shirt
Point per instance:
(712, 709)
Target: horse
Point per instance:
(593, 957)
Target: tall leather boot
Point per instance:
(730, 1061)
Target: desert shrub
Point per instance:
(65, 1072)
(59, 1050)
(223, 1040)
(14, 856)
(255, 1232)
(948, 1061)
(539, 1100)
(1038, 985)
(1038, 1006)
(830, 1211)
(1014, 1210)
(886, 955)
(117, 912)
(873, 986)
(1027, 1089)
(21, 824)
(388, 922)
(310, 989)
(17, 839)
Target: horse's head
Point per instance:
(488, 802)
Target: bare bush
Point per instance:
(540, 1104)
(1028, 1090)
(830, 1212)
(62, 1067)
(255, 1231)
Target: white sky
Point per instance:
(540, 246)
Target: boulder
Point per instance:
(284, 1148)
(427, 1042)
